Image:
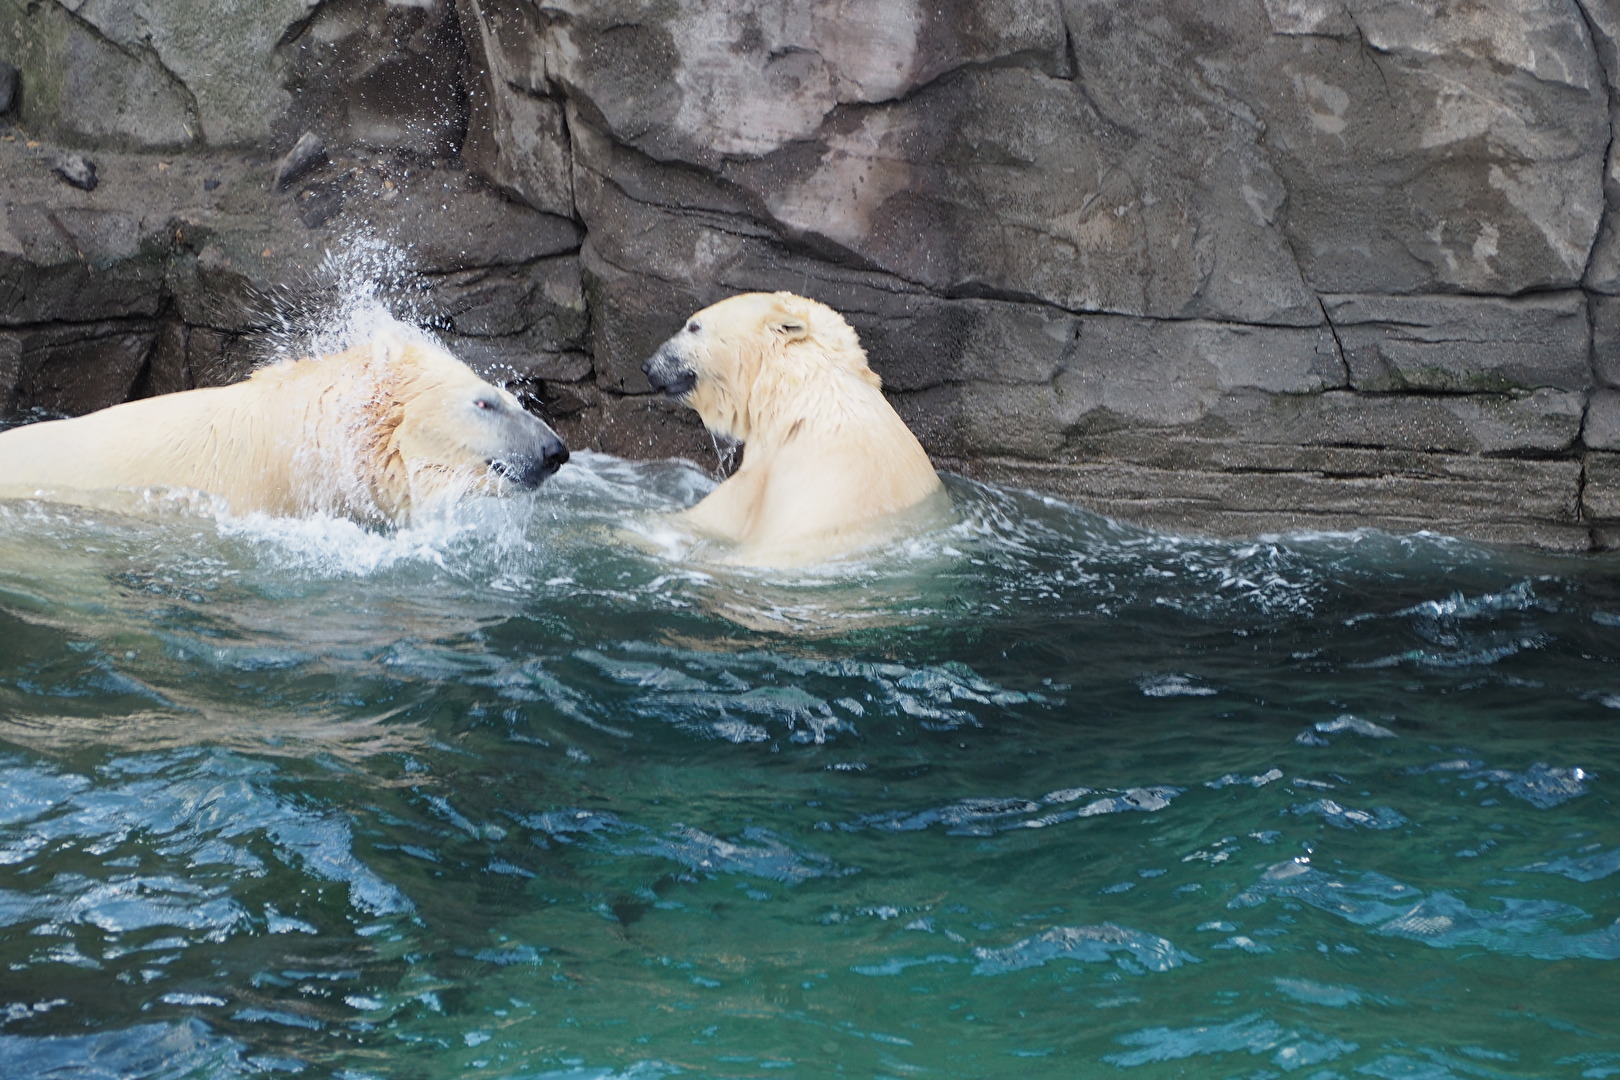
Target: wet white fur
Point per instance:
(369, 433)
(828, 465)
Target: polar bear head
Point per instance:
(415, 423)
(451, 421)
(743, 362)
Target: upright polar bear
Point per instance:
(829, 466)
(372, 433)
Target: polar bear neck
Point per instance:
(359, 470)
(786, 401)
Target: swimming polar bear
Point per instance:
(829, 466)
(373, 433)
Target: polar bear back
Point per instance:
(195, 440)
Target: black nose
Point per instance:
(531, 472)
(668, 373)
(553, 456)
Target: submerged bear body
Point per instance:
(829, 467)
(373, 433)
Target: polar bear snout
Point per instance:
(669, 372)
(531, 470)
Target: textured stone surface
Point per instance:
(1603, 20)
(517, 133)
(1464, 343)
(377, 73)
(10, 81)
(1278, 489)
(1605, 315)
(1602, 430)
(1238, 265)
(80, 367)
(83, 88)
(1601, 496)
(222, 52)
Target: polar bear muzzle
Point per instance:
(539, 454)
(669, 371)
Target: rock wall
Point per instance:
(1220, 265)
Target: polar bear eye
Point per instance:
(485, 403)
(692, 328)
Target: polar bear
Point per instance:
(829, 467)
(373, 433)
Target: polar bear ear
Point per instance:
(395, 352)
(790, 327)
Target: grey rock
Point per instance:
(438, 240)
(1268, 489)
(916, 342)
(1600, 498)
(1126, 372)
(78, 368)
(1102, 418)
(447, 221)
(1605, 315)
(71, 255)
(10, 372)
(640, 426)
(1418, 154)
(514, 361)
(1543, 422)
(1603, 272)
(517, 133)
(306, 155)
(702, 82)
(220, 54)
(10, 83)
(543, 302)
(631, 314)
(86, 89)
(945, 177)
(214, 358)
(378, 74)
(1438, 343)
(1602, 430)
(167, 371)
(1603, 20)
(971, 420)
(319, 204)
(76, 169)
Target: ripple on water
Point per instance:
(1594, 867)
(758, 852)
(984, 816)
(1289, 1048)
(144, 1052)
(1517, 927)
(756, 695)
(1541, 785)
(201, 812)
(1131, 950)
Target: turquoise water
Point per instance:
(523, 794)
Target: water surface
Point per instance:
(523, 793)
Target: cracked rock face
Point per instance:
(1233, 265)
